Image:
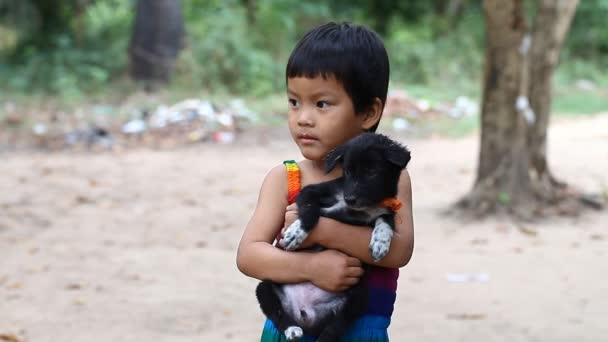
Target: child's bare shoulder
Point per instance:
(276, 177)
(405, 186)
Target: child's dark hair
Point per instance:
(353, 54)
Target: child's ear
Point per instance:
(373, 114)
(333, 157)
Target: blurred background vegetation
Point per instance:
(77, 50)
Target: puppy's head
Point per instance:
(371, 164)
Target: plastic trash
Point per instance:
(225, 119)
(586, 85)
(400, 124)
(206, 109)
(223, 137)
(197, 135)
(463, 107)
(90, 136)
(240, 110)
(40, 129)
(135, 126)
(423, 105)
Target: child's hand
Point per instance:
(335, 271)
(291, 214)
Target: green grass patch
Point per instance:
(572, 101)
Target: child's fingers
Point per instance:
(292, 207)
(350, 281)
(290, 218)
(353, 261)
(354, 272)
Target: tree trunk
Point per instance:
(502, 174)
(157, 38)
(551, 25)
(512, 172)
(453, 10)
(250, 7)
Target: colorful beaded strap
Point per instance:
(293, 180)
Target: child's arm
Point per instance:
(257, 258)
(354, 240)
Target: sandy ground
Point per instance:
(140, 246)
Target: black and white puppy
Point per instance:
(372, 164)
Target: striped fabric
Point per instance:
(382, 291)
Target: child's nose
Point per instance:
(305, 118)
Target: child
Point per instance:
(337, 80)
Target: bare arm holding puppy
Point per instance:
(354, 240)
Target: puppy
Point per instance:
(372, 164)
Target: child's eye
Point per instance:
(293, 103)
(323, 104)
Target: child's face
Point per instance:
(321, 115)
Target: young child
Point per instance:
(337, 81)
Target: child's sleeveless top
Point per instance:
(381, 283)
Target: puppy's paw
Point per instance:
(294, 333)
(381, 240)
(378, 250)
(293, 236)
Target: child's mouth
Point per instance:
(307, 139)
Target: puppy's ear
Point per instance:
(334, 157)
(397, 154)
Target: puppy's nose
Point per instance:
(349, 199)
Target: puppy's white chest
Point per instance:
(305, 294)
(338, 206)
(341, 206)
(308, 304)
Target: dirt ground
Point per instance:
(140, 246)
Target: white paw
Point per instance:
(294, 236)
(293, 333)
(381, 240)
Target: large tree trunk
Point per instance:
(551, 25)
(502, 174)
(157, 38)
(512, 173)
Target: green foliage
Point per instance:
(588, 36)
(571, 101)
(78, 47)
(220, 55)
(81, 56)
(420, 55)
(232, 50)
